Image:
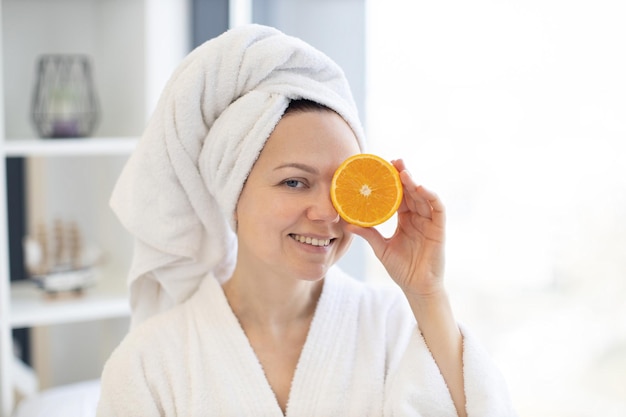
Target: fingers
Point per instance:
(417, 198)
(399, 164)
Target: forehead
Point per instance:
(315, 135)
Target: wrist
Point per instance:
(433, 294)
(433, 311)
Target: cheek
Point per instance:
(264, 211)
(345, 243)
(285, 210)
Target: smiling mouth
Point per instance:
(311, 240)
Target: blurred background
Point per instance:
(515, 113)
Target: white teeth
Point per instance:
(311, 240)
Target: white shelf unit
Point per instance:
(68, 147)
(134, 45)
(29, 308)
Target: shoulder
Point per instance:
(160, 334)
(132, 380)
(375, 291)
(179, 322)
(144, 342)
(372, 298)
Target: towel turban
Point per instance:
(178, 192)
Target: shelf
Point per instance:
(72, 178)
(69, 147)
(30, 307)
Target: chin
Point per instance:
(313, 274)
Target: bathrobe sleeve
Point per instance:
(416, 388)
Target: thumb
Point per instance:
(372, 236)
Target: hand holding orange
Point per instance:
(366, 190)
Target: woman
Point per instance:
(249, 314)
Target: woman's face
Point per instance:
(286, 223)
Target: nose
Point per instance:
(321, 207)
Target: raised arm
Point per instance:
(414, 258)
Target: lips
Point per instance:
(313, 241)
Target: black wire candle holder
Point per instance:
(65, 104)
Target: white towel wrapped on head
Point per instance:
(178, 192)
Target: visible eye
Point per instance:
(293, 183)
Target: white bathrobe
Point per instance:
(363, 356)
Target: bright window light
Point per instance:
(515, 114)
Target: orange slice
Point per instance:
(366, 190)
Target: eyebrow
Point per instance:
(303, 167)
